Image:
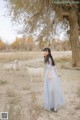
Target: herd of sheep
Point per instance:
(31, 71)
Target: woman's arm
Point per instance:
(56, 71)
(49, 69)
(49, 74)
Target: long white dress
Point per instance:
(53, 94)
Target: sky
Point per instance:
(9, 31)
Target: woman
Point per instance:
(52, 89)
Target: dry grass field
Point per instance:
(21, 89)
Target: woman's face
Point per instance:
(45, 53)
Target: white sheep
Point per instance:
(16, 65)
(34, 72)
(12, 66)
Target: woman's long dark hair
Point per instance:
(46, 58)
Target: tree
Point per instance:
(29, 43)
(42, 44)
(23, 44)
(40, 10)
(17, 44)
(74, 38)
(2, 45)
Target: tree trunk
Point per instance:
(74, 38)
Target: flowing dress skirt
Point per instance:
(53, 95)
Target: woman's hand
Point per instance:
(49, 77)
(49, 74)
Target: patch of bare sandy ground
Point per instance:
(21, 86)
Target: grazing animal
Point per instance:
(12, 66)
(34, 72)
(15, 65)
